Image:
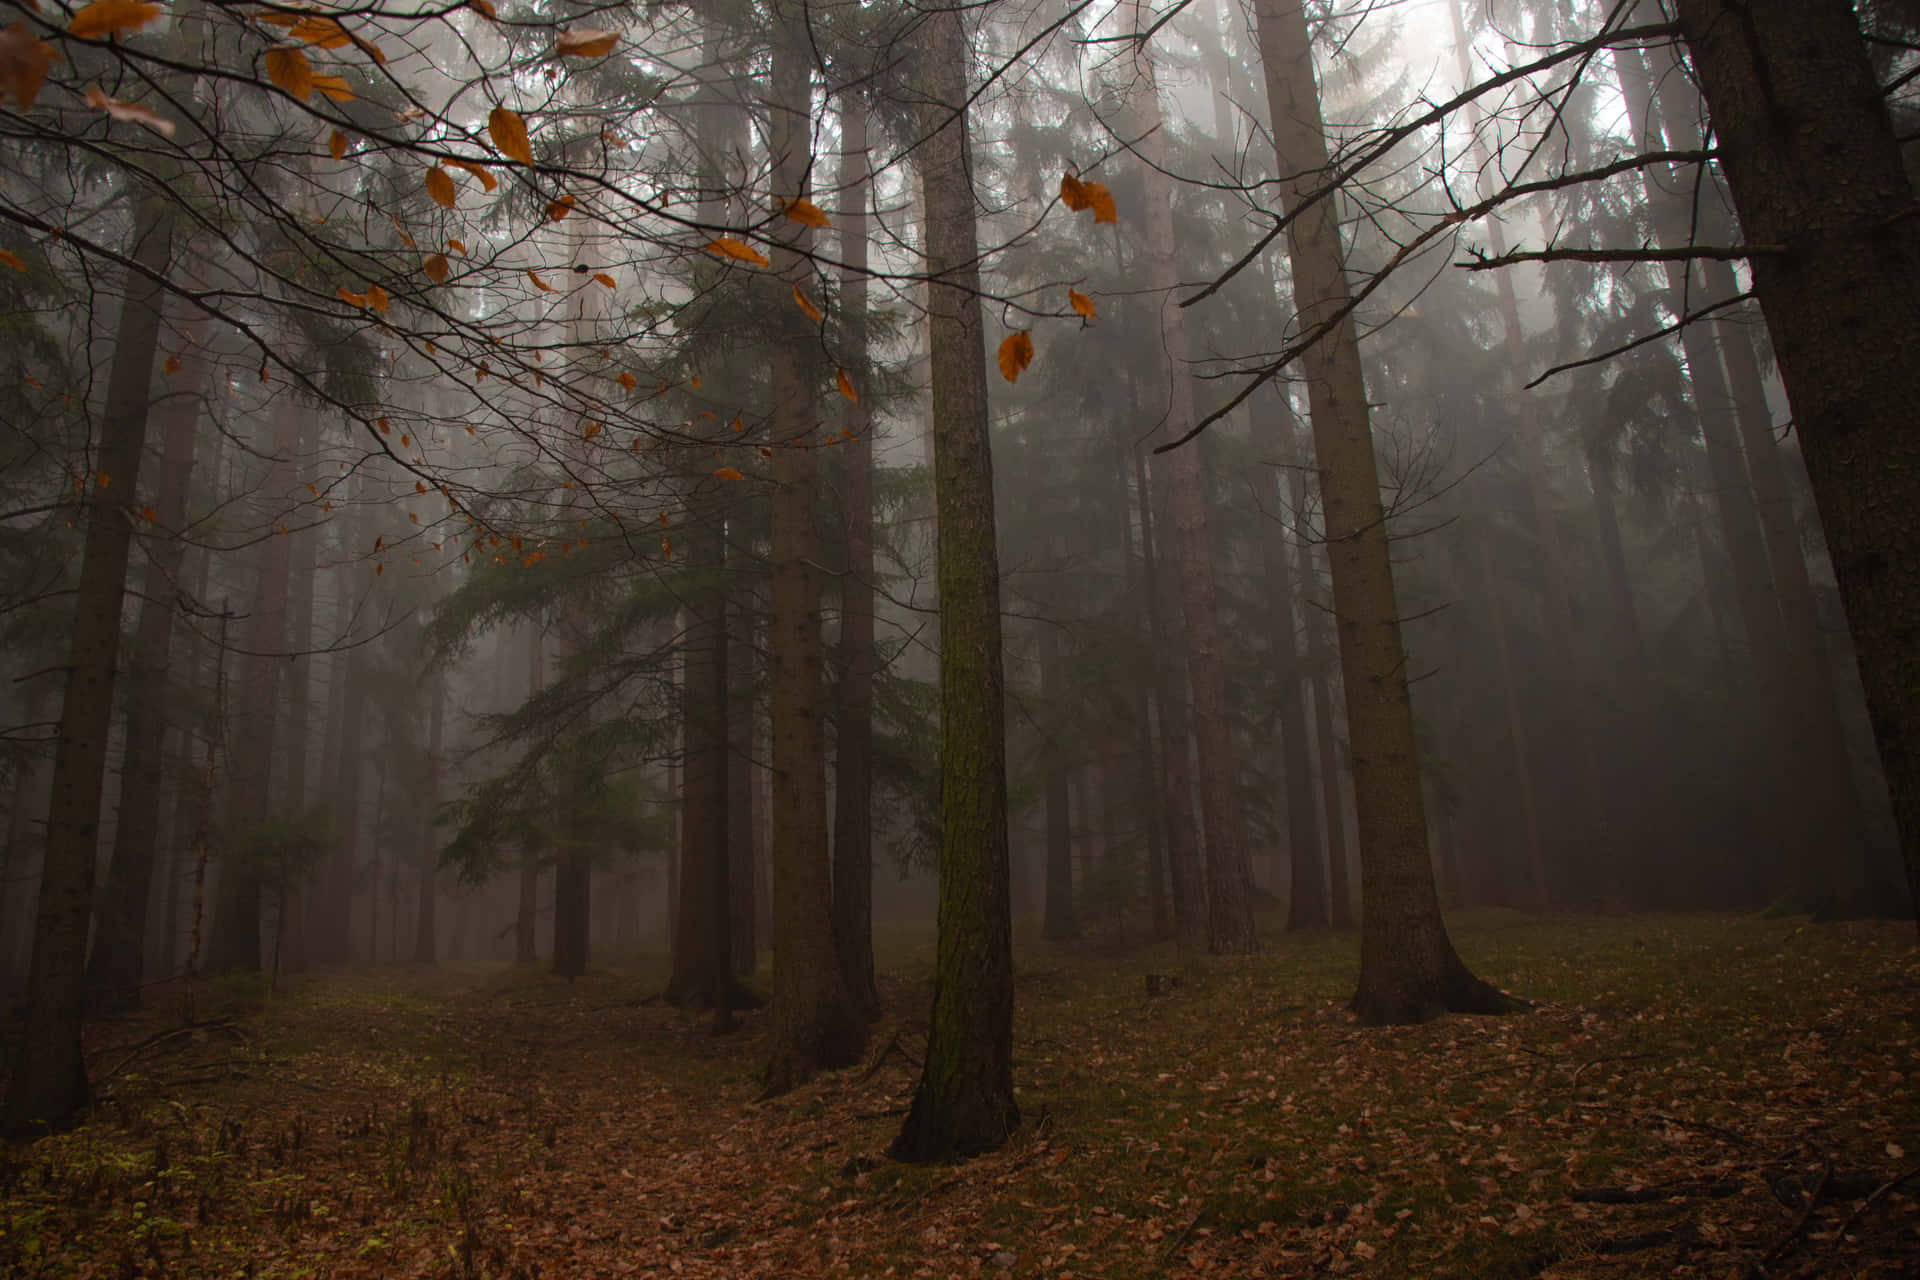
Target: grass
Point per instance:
(1690, 1095)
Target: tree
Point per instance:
(964, 1100)
(48, 1088)
(1815, 172)
(1408, 968)
(815, 1021)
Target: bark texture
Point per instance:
(1408, 968)
(48, 1086)
(1815, 170)
(964, 1101)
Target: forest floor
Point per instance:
(1712, 1096)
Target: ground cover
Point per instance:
(1710, 1096)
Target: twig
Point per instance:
(1647, 1195)
(880, 1058)
(1840, 1236)
(1785, 1242)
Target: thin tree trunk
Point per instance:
(1148, 800)
(115, 969)
(291, 942)
(1306, 880)
(1060, 922)
(48, 1086)
(743, 792)
(1320, 678)
(426, 921)
(815, 1022)
(964, 1101)
(1186, 873)
(853, 769)
(1408, 968)
(1229, 898)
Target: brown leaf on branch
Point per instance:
(1016, 353)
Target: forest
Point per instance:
(1041, 637)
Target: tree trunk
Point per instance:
(1148, 798)
(815, 1022)
(115, 969)
(1814, 167)
(743, 791)
(48, 1086)
(1306, 878)
(235, 941)
(853, 770)
(426, 921)
(1229, 898)
(1061, 922)
(964, 1101)
(1333, 820)
(1186, 875)
(1408, 968)
(697, 978)
(291, 944)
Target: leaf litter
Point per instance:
(1692, 1096)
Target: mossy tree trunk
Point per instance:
(964, 1100)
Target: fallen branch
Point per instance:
(1698, 1189)
(1760, 1265)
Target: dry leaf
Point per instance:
(800, 300)
(846, 386)
(289, 69)
(487, 181)
(540, 284)
(436, 268)
(440, 187)
(807, 213)
(110, 17)
(509, 134)
(728, 473)
(738, 250)
(604, 279)
(337, 144)
(1080, 302)
(334, 87)
(585, 42)
(559, 208)
(1016, 353)
(23, 64)
(130, 112)
(10, 259)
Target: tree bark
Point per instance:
(853, 767)
(1813, 164)
(1229, 890)
(964, 1101)
(815, 1022)
(115, 969)
(1060, 922)
(1408, 968)
(48, 1087)
(1306, 870)
(426, 920)
(1333, 819)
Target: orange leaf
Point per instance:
(405, 239)
(148, 513)
(559, 208)
(418, 487)
(349, 297)
(484, 8)
(337, 144)
(110, 17)
(728, 473)
(7, 257)
(605, 279)
(585, 42)
(436, 268)
(739, 251)
(1101, 201)
(1073, 193)
(290, 69)
(625, 380)
(23, 64)
(487, 181)
(846, 387)
(1016, 353)
(172, 366)
(377, 298)
(807, 213)
(1080, 302)
(333, 87)
(509, 134)
(381, 423)
(379, 569)
(457, 247)
(540, 284)
(440, 187)
(130, 112)
(800, 300)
